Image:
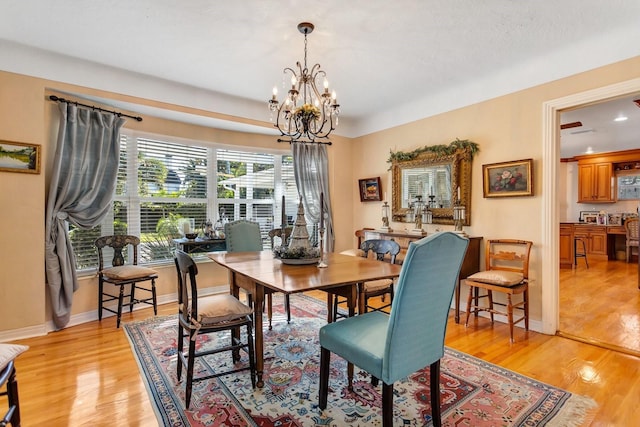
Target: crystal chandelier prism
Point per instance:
(306, 114)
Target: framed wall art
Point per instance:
(370, 189)
(19, 157)
(614, 219)
(508, 179)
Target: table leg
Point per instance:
(259, 339)
(330, 313)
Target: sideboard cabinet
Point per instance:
(470, 264)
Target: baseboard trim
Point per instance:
(599, 343)
(90, 316)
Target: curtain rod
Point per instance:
(93, 107)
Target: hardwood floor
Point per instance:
(601, 304)
(86, 375)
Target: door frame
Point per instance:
(550, 203)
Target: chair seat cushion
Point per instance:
(221, 308)
(497, 277)
(8, 352)
(360, 339)
(126, 272)
(377, 285)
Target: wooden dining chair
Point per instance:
(507, 272)
(205, 315)
(392, 346)
(8, 353)
(123, 276)
(631, 229)
(244, 236)
(382, 250)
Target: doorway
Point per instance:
(551, 309)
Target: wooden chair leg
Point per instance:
(120, 298)
(469, 301)
(154, 296)
(325, 361)
(525, 295)
(490, 298)
(180, 351)
(510, 316)
(190, 362)
(434, 385)
(387, 405)
(132, 297)
(100, 288)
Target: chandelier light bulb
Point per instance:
(275, 93)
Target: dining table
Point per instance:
(255, 272)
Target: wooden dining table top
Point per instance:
(263, 268)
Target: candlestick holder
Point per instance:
(459, 213)
(385, 217)
(417, 206)
(322, 263)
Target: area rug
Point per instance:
(474, 393)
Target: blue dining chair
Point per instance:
(413, 332)
(244, 236)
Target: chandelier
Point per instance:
(305, 114)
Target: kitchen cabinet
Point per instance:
(594, 236)
(566, 245)
(595, 183)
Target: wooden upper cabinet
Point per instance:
(595, 183)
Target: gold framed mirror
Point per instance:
(434, 178)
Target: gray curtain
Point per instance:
(311, 170)
(82, 184)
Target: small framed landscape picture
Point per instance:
(19, 157)
(369, 189)
(508, 179)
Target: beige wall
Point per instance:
(26, 115)
(507, 128)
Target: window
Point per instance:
(165, 187)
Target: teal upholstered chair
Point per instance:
(245, 236)
(392, 346)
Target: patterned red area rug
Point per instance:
(474, 393)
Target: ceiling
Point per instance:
(390, 62)
(599, 131)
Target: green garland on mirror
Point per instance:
(441, 149)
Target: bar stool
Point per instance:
(577, 254)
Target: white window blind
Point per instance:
(166, 186)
